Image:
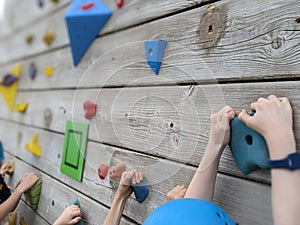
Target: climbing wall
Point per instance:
(227, 52)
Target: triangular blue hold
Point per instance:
(1, 152)
(248, 147)
(155, 50)
(78, 204)
(85, 19)
(141, 191)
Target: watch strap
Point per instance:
(292, 162)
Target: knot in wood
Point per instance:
(212, 26)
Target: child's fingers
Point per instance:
(75, 220)
(273, 98)
(245, 117)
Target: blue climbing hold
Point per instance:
(154, 53)
(248, 147)
(8, 80)
(1, 152)
(189, 211)
(32, 71)
(141, 191)
(85, 19)
(78, 204)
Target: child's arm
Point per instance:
(202, 185)
(273, 119)
(27, 181)
(124, 191)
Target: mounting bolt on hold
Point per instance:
(276, 43)
(87, 6)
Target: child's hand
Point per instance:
(273, 116)
(220, 127)
(27, 181)
(71, 215)
(176, 193)
(124, 189)
(273, 120)
(3, 169)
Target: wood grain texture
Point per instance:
(232, 193)
(56, 196)
(169, 122)
(20, 15)
(244, 50)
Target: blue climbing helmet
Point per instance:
(188, 211)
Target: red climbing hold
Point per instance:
(87, 6)
(90, 109)
(102, 171)
(119, 3)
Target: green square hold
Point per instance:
(72, 161)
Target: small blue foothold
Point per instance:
(78, 204)
(85, 19)
(155, 50)
(141, 191)
(248, 147)
(1, 152)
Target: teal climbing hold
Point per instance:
(248, 147)
(85, 19)
(155, 50)
(1, 152)
(78, 204)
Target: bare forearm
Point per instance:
(285, 183)
(115, 213)
(10, 204)
(202, 185)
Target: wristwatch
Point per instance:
(292, 162)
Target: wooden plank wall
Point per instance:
(158, 124)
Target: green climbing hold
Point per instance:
(33, 194)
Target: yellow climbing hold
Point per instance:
(48, 71)
(10, 167)
(33, 145)
(12, 218)
(29, 39)
(22, 107)
(49, 37)
(9, 93)
(22, 221)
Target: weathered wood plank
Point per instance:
(20, 15)
(54, 23)
(162, 175)
(56, 196)
(132, 13)
(16, 28)
(243, 52)
(170, 122)
(29, 215)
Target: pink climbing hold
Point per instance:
(115, 172)
(90, 109)
(102, 171)
(87, 6)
